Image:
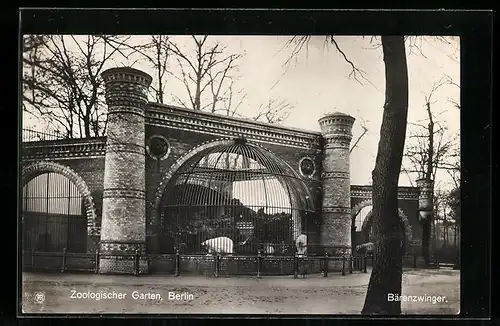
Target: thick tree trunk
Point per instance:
(385, 280)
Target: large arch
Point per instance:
(369, 218)
(196, 151)
(33, 170)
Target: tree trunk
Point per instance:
(385, 280)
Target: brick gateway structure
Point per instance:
(123, 179)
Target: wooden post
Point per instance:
(96, 261)
(325, 267)
(63, 264)
(177, 262)
(343, 265)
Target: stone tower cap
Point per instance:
(336, 118)
(127, 74)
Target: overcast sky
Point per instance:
(317, 82)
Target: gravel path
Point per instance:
(198, 295)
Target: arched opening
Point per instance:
(235, 190)
(53, 215)
(362, 235)
(362, 222)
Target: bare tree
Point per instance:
(62, 83)
(274, 111)
(427, 153)
(32, 42)
(356, 142)
(209, 67)
(232, 100)
(387, 266)
(156, 53)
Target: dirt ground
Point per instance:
(52, 293)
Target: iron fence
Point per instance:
(215, 266)
(29, 135)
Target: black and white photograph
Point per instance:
(240, 174)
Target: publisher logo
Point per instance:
(39, 297)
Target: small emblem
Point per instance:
(39, 297)
(307, 167)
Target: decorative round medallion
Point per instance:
(158, 147)
(307, 167)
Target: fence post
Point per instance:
(136, 263)
(414, 261)
(350, 264)
(259, 261)
(343, 265)
(217, 259)
(364, 263)
(32, 258)
(63, 264)
(325, 267)
(177, 262)
(96, 261)
(296, 265)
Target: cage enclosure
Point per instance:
(240, 197)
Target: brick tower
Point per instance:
(336, 184)
(123, 228)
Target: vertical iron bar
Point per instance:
(296, 265)
(136, 262)
(32, 257)
(217, 258)
(350, 264)
(96, 270)
(68, 220)
(325, 267)
(343, 265)
(177, 262)
(259, 261)
(63, 265)
(47, 213)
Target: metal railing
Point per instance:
(217, 266)
(29, 135)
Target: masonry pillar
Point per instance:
(426, 216)
(336, 184)
(123, 227)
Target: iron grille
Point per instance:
(239, 192)
(52, 215)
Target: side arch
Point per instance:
(404, 222)
(356, 209)
(33, 170)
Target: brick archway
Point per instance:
(356, 209)
(368, 220)
(192, 153)
(33, 170)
